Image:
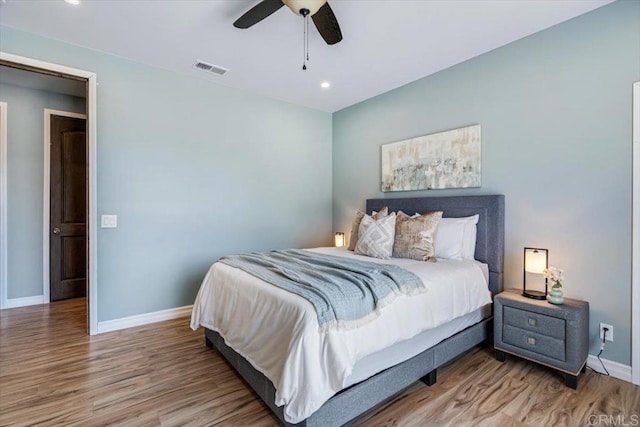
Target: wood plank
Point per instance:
(52, 373)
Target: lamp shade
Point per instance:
(339, 239)
(536, 260)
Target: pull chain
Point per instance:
(305, 39)
(305, 42)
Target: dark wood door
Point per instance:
(68, 233)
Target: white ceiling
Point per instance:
(387, 43)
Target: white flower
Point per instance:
(554, 274)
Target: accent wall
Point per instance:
(555, 110)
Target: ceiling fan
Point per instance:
(319, 11)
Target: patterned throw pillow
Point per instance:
(415, 236)
(375, 237)
(355, 227)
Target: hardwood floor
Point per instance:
(52, 373)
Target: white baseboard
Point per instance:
(24, 301)
(143, 319)
(616, 370)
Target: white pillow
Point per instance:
(375, 237)
(456, 238)
(469, 237)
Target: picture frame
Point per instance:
(449, 159)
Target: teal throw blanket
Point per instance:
(345, 292)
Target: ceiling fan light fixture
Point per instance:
(311, 5)
(325, 85)
(318, 10)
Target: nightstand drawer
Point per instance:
(533, 341)
(540, 323)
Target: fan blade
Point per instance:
(257, 13)
(327, 24)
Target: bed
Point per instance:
(375, 377)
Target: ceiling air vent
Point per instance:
(205, 66)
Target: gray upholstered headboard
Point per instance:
(490, 239)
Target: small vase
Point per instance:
(556, 296)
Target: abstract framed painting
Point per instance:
(450, 159)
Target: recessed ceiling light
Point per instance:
(325, 85)
(73, 2)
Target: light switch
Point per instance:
(109, 221)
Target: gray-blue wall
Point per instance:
(25, 162)
(194, 170)
(555, 110)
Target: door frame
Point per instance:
(30, 64)
(3, 204)
(635, 251)
(46, 197)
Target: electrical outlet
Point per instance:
(609, 331)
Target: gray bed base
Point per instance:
(359, 398)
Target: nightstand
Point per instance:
(553, 335)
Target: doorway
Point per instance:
(75, 225)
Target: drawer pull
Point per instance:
(532, 321)
(531, 341)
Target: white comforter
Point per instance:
(278, 333)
